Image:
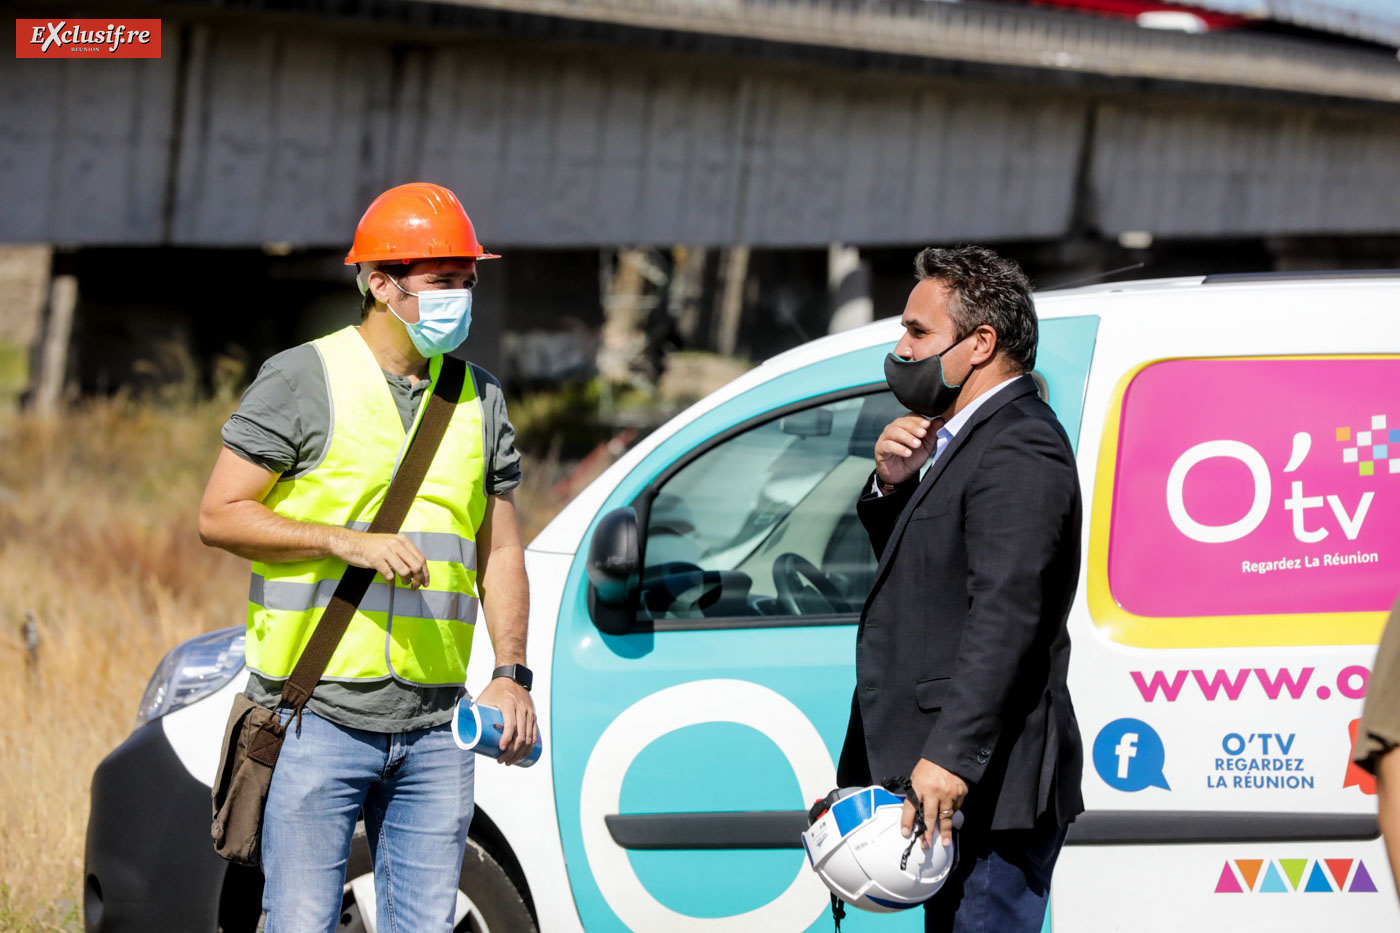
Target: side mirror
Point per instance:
(614, 572)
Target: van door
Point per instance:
(1242, 554)
(687, 749)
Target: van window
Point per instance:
(763, 524)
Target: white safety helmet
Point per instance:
(857, 850)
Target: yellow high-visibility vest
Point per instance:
(421, 636)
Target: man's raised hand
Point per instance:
(903, 448)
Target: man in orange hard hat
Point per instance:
(307, 459)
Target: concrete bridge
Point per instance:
(766, 122)
(574, 125)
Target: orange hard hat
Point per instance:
(416, 221)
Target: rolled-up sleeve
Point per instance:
(265, 429)
(503, 471)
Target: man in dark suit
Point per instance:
(963, 648)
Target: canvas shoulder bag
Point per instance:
(254, 734)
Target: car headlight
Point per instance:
(192, 671)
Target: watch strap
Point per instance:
(516, 672)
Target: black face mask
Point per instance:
(919, 386)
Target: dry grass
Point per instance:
(98, 547)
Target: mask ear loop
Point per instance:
(362, 274)
(949, 349)
(362, 282)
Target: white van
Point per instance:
(693, 629)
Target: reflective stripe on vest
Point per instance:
(418, 636)
(435, 545)
(380, 597)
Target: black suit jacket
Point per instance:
(963, 649)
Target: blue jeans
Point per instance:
(416, 791)
(1001, 884)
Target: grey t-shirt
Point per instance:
(282, 424)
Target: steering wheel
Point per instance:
(795, 596)
(682, 590)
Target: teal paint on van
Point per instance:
(1063, 357)
(812, 667)
(711, 785)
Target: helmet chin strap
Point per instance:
(902, 785)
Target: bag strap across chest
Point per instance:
(397, 500)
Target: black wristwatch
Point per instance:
(516, 672)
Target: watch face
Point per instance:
(516, 672)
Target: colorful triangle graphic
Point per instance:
(1293, 868)
(1340, 868)
(1273, 882)
(1317, 881)
(1362, 880)
(1227, 883)
(1249, 870)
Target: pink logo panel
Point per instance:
(1257, 487)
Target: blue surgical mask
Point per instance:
(444, 317)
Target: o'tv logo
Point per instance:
(1298, 503)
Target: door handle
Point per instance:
(749, 829)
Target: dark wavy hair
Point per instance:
(986, 289)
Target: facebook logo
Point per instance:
(1126, 750)
(1129, 756)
